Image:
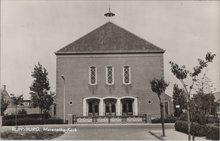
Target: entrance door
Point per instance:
(110, 108)
(127, 106)
(93, 107)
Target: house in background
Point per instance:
(25, 104)
(217, 101)
(107, 72)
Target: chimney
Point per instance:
(4, 87)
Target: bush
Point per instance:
(41, 135)
(196, 117)
(32, 121)
(213, 120)
(53, 121)
(183, 117)
(199, 118)
(196, 129)
(169, 119)
(213, 133)
(36, 116)
(22, 112)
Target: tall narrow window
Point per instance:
(126, 75)
(109, 75)
(92, 75)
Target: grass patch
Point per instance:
(41, 135)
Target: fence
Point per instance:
(73, 119)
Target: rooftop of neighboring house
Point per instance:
(217, 96)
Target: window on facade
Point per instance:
(126, 75)
(92, 75)
(109, 75)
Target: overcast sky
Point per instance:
(31, 31)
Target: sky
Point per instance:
(31, 31)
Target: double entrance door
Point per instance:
(127, 106)
(109, 106)
(93, 107)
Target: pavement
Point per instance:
(129, 131)
(172, 134)
(108, 133)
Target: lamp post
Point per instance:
(64, 99)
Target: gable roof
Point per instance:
(109, 39)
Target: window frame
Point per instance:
(90, 75)
(106, 75)
(123, 68)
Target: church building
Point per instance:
(107, 72)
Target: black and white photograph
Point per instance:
(110, 70)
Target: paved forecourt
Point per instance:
(114, 132)
(108, 133)
(102, 131)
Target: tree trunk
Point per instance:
(162, 118)
(188, 119)
(16, 118)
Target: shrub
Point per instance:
(32, 121)
(41, 135)
(12, 117)
(183, 117)
(196, 117)
(199, 117)
(22, 112)
(169, 119)
(196, 129)
(213, 120)
(213, 133)
(53, 121)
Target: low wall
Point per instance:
(72, 119)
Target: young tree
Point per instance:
(39, 89)
(178, 99)
(159, 87)
(16, 100)
(182, 73)
(4, 104)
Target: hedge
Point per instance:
(213, 133)
(196, 129)
(32, 121)
(12, 117)
(169, 119)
